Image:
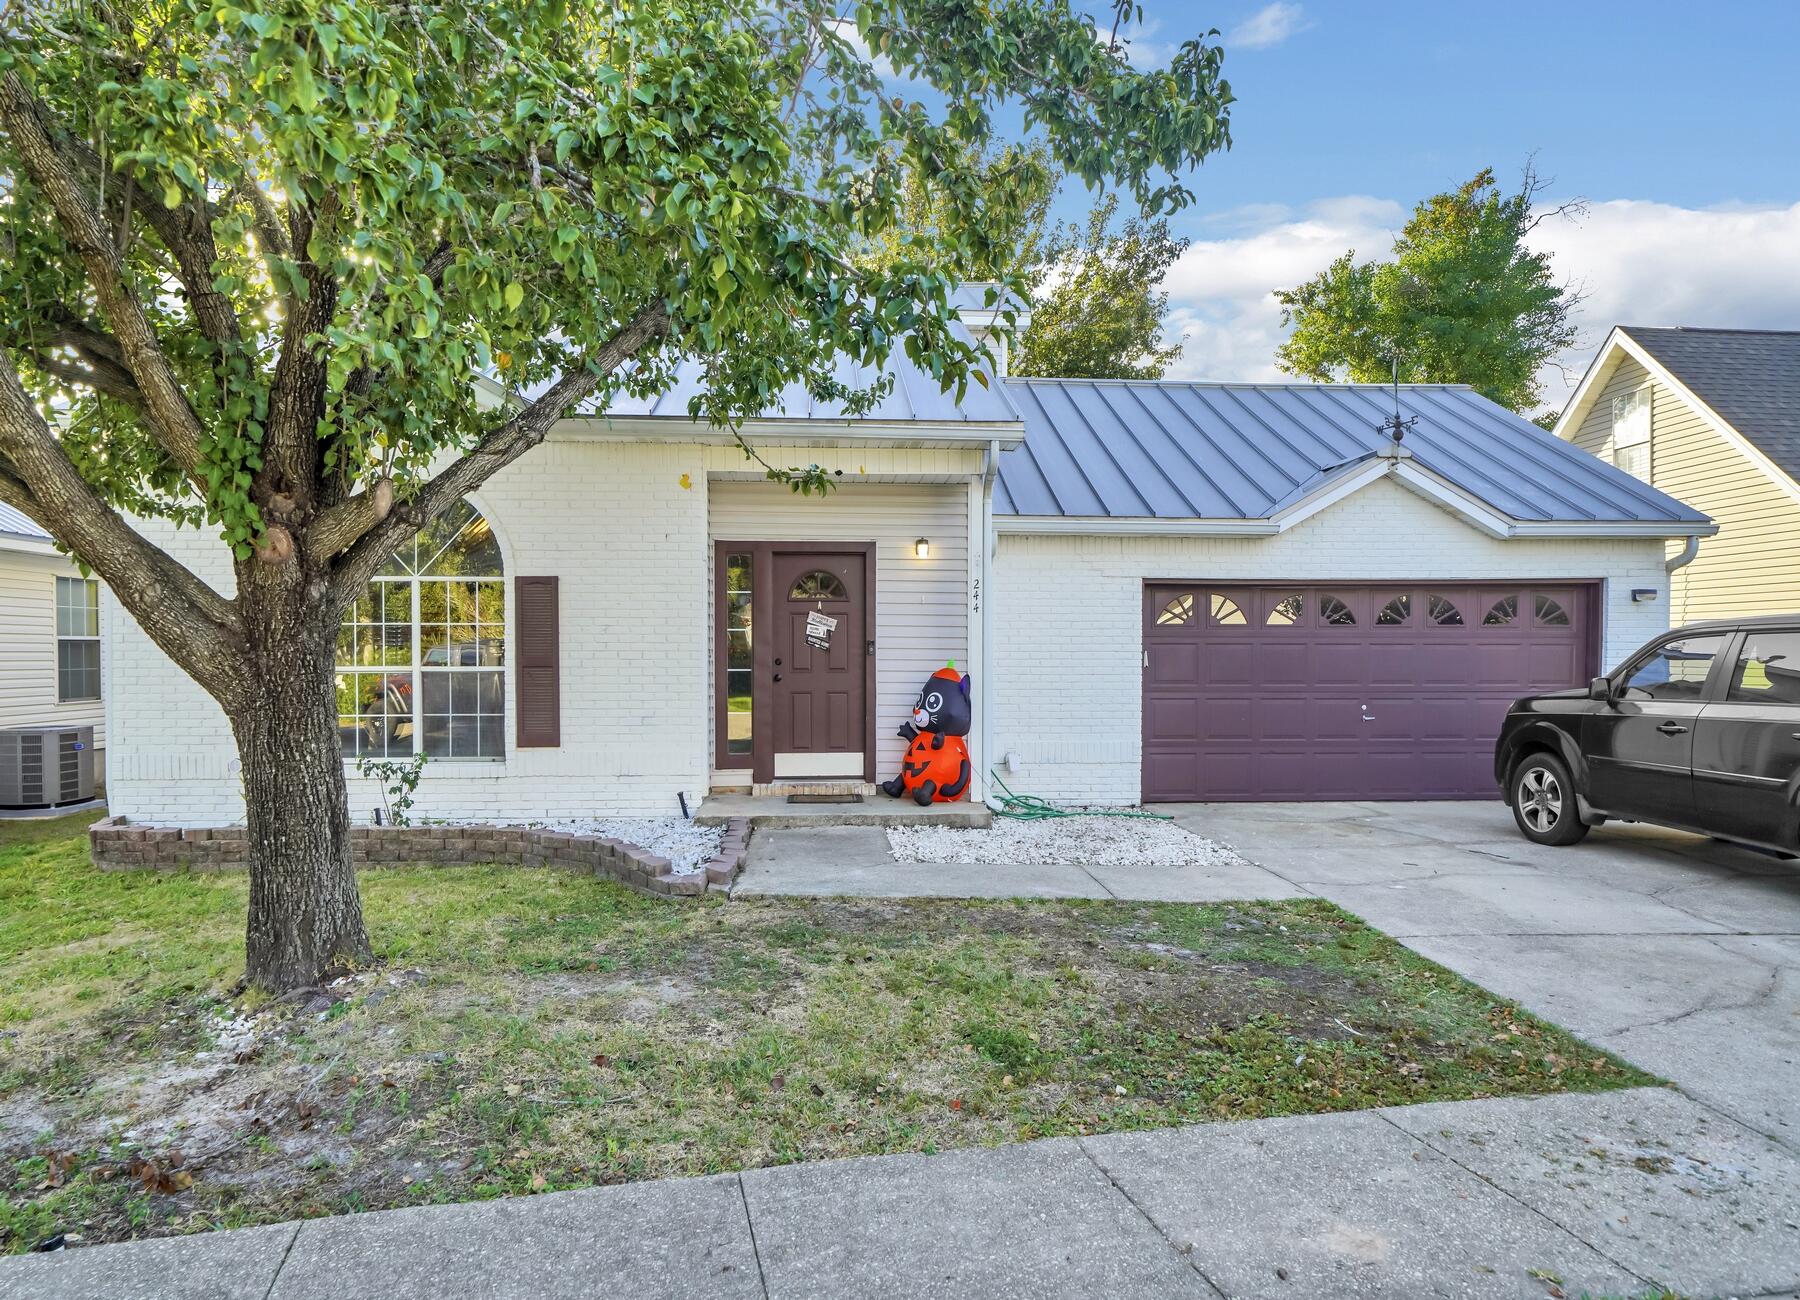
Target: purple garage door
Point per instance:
(1346, 692)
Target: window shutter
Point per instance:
(539, 686)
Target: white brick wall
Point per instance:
(628, 542)
(1068, 632)
(631, 547)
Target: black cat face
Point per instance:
(944, 704)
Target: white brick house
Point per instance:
(619, 618)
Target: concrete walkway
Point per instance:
(1609, 1194)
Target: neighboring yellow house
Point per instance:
(1712, 417)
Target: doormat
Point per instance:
(824, 798)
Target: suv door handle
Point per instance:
(1672, 729)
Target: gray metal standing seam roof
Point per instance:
(914, 398)
(1116, 449)
(19, 525)
(1750, 377)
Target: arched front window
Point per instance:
(421, 656)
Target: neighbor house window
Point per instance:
(421, 655)
(77, 639)
(1631, 432)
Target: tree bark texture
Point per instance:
(305, 915)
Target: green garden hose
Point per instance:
(1030, 808)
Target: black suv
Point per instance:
(1699, 730)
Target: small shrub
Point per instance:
(399, 781)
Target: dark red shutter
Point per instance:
(535, 650)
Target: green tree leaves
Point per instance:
(1100, 312)
(402, 194)
(1463, 301)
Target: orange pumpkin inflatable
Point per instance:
(936, 767)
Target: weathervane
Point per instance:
(1394, 425)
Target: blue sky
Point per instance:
(1678, 123)
(1685, 104)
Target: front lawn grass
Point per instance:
(530, 1030)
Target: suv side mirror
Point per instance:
(1600, 689)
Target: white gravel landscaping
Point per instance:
(683, 843)
(1074, 841)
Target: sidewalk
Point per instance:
(1607, 1193)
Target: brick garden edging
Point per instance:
(118, 845)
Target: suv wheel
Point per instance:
(1543, 801)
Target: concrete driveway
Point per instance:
(1680, 953)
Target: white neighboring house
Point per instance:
(50, 646)
(1163, 591)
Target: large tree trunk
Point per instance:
(305, 915)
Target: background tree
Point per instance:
(1012, 186)
(1097, 309)
(1463, 301)
(254, 253)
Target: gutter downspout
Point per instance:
(989, 471)
(1682, 558)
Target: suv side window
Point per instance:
(1675, 670)
(1767, 670)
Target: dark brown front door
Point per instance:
(1290, 691)
(817, 679)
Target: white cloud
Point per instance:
(1222, 291)
(1636, 262)
(1641, 263)
(1270, 25)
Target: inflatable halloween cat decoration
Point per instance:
(936, 766)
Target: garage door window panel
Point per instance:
(1223, 611)
(1396, 612)
(1442, 611)
(1335, 612)
(1287, 611)
(1176, 610)
(1501, 612)
(1550, 612)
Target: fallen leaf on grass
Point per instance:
(60, 1163)
(777, 1083)
(155, 1178)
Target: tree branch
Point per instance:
(297, 390)
(192, 623)
(493, 453)
(172, 419)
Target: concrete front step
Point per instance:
(776, 813)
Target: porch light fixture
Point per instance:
(1643, 593)
(922, 548)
